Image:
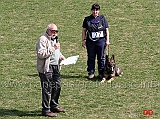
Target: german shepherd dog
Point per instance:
(111, 69)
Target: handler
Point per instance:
(95, 37)
(48, 56)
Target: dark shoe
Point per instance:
(49, 114)
(57, 109)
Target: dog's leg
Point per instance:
(110, 80)
(103, 80)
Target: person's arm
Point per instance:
(84, 37)
(107, 32)
(44, 51)
(107, 36)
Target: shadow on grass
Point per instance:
(95, 79)
(62, 76)
(72, 76)
(33, 75)
(14, 112)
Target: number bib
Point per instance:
(98, 34)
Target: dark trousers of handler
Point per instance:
(51, 87)
(96, 48)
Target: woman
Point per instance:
(95, 37)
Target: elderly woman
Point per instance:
(95, 37)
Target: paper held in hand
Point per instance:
(70, 60)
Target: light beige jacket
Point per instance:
(44, 51)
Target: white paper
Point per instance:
(70, 60)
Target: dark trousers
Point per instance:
(96, 48)
(51, 87)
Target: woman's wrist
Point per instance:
(107, 41)
(83, 40)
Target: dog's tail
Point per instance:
(118, 71)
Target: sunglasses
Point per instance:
(54, 31)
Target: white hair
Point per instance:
(48, 27)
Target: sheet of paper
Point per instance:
(70, 60)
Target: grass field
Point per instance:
(135, 42)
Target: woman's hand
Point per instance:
(84, 43)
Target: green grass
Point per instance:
(134, 36)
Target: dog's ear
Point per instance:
(106, 60)
(107, 57)
(113, 57)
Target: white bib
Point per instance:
(97, 34)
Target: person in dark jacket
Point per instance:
(95, 38)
